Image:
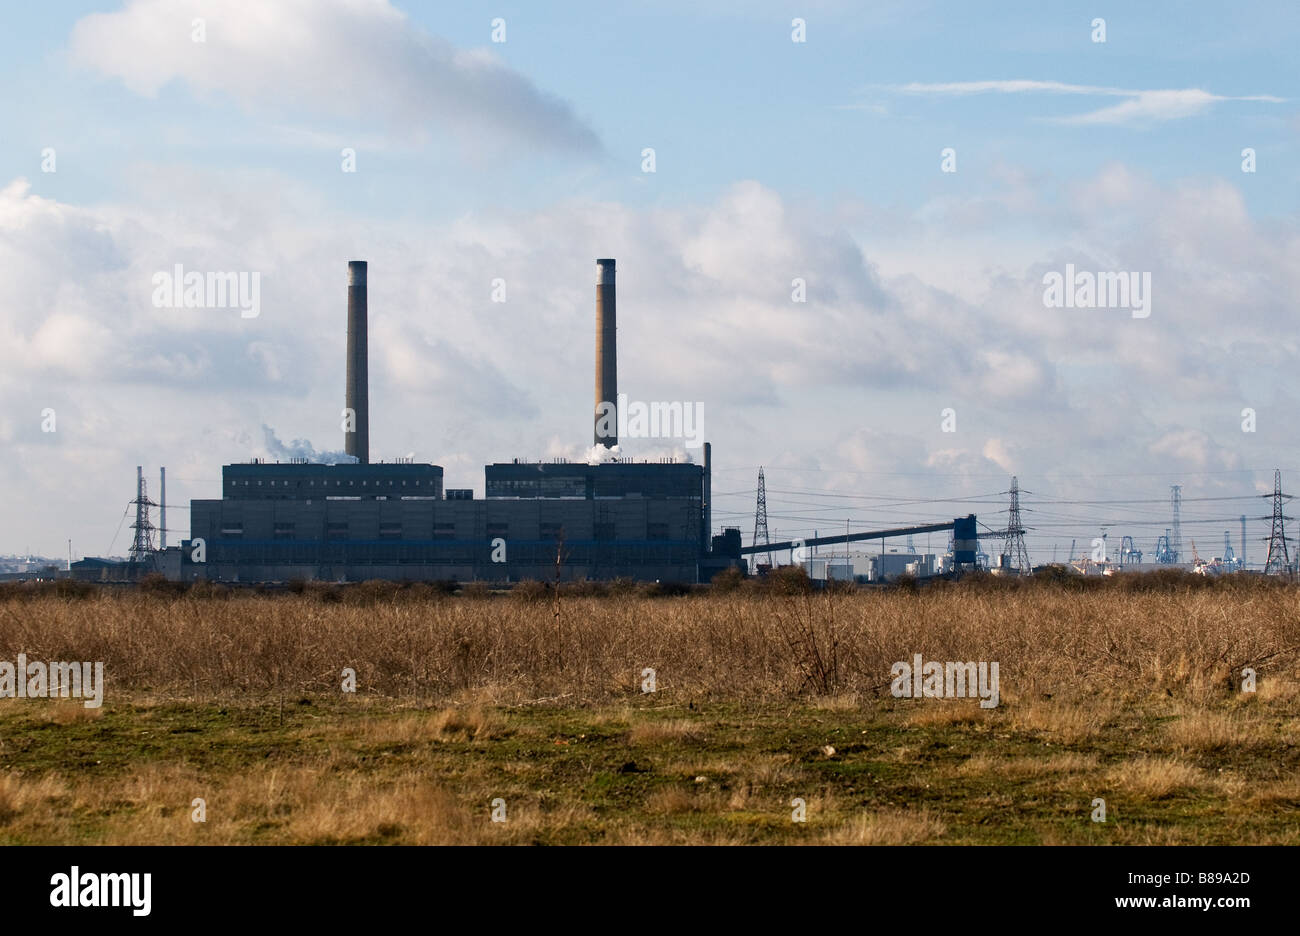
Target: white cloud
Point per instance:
(851, 381)
(1194, 448)
(342, 62)
(1139, 106)
(998, 452)
(1148, 106)
(1018, 86)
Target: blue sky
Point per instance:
(774, 159)
(722, 93)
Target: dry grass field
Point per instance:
(1129, 692)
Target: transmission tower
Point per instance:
(142, 548)
(1242, 557)
(1278, 561)
(1014, 537)
(1176, 541)
(760, 517)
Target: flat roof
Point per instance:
(343, 469)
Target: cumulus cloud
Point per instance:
(852, 380)
(1194, 448)
(998, 452)
(337, 61)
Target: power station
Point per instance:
(605, 518)
(361, 520)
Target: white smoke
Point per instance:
(598, 454)
(275, 450)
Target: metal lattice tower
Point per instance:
(1242, 557)
(1278, 561)
(1164, 555)
(760, 516)
(1176, 540)
(1014, 538)
(142, 548)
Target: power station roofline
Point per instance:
(292, 467)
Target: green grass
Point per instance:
(353, 770)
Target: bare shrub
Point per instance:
(530, 591)
(812, 635)
(1052, 645)
(728, 580)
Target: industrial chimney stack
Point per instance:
(357, 442)
(606, 354)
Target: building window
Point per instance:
(550, 531)
(498, 529)
(284, 531)
(444, 531)
(232, 528)
(390, 531)
(336, 531)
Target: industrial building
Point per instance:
(356, 521)
(362, 520)
(611, 517)
(869, 567)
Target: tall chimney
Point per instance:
(708, 498)
(606, 356)
(357, 442)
